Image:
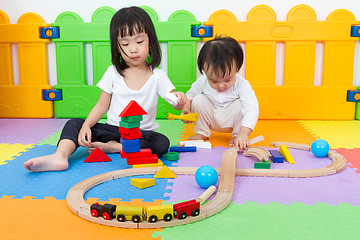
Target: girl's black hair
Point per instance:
(219, 55)
(129, 21)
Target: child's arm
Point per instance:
(94, 116)
(181, 100)
(241, 141)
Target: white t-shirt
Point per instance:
(240, 90)
(147, 97)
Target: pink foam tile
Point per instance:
(28, 131)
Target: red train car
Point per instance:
(184, 209)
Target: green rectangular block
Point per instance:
(129, 124)
(137, 118)
(262, 165)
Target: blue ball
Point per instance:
(206, 176)
(320, 148)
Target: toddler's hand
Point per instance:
(84, 138)
(182, 99)
(185, 111)
(241, 141)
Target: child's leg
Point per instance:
(54, 162)
(229, 118)
(203, 106)
(157, 142)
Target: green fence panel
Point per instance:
(79, 97)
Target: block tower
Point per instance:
(130, 134)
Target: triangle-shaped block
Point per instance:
(165, 172)
(98, 156)
(132, 109)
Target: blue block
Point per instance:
(182, 149)
(131, 149)
(276, 156)
(127, 143)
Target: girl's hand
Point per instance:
(241, 141)
(84, 138)
(182, 100)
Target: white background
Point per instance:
(201, 9)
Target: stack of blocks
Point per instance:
(130, 134)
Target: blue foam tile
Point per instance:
(19, 182)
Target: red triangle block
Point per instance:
(98, 156)
(132, 109)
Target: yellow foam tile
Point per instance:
(9, 151)
(339, 134)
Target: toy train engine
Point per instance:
(181, 210)
(107, 211)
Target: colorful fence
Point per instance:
(297, 98)
(23, 100)
(78, 97)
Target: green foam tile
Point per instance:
(273, 221)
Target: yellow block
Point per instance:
(142, 182)
(159, 164)
(165, 172)
(285, 152)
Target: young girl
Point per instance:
(224, 100)
(135, 55)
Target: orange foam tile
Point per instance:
(48, 218)
(272, 130)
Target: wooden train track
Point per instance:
(228, 171)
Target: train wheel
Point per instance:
(106, 216)
(175, 213)
(121, 218)
(167, 217)
(196, 212)
(136, 218)
(153, 218)
(182, 215)
(94, 213)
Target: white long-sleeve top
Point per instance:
(240, 90)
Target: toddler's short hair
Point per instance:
(219, 55)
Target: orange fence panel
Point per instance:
(298, 97)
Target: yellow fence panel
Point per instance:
(24, 100)
(298, 97)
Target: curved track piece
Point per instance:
(77, 204)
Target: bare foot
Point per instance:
(109, 147)
(198, 136)
(53, 162)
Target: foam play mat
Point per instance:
(326, 207)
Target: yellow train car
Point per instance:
(126, 213)
(159, 212)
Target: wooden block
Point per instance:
(129, 130)
(276, 156)
(143, 153)
(127, 143)
(131, 149)
(158, 164)
(136, 118)
(131, 136)
(165, 172)
(262, 165)
(143, 160)
(132, 109)
(142, 182)
(129, 124)
(285, 152)
(98, 156)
